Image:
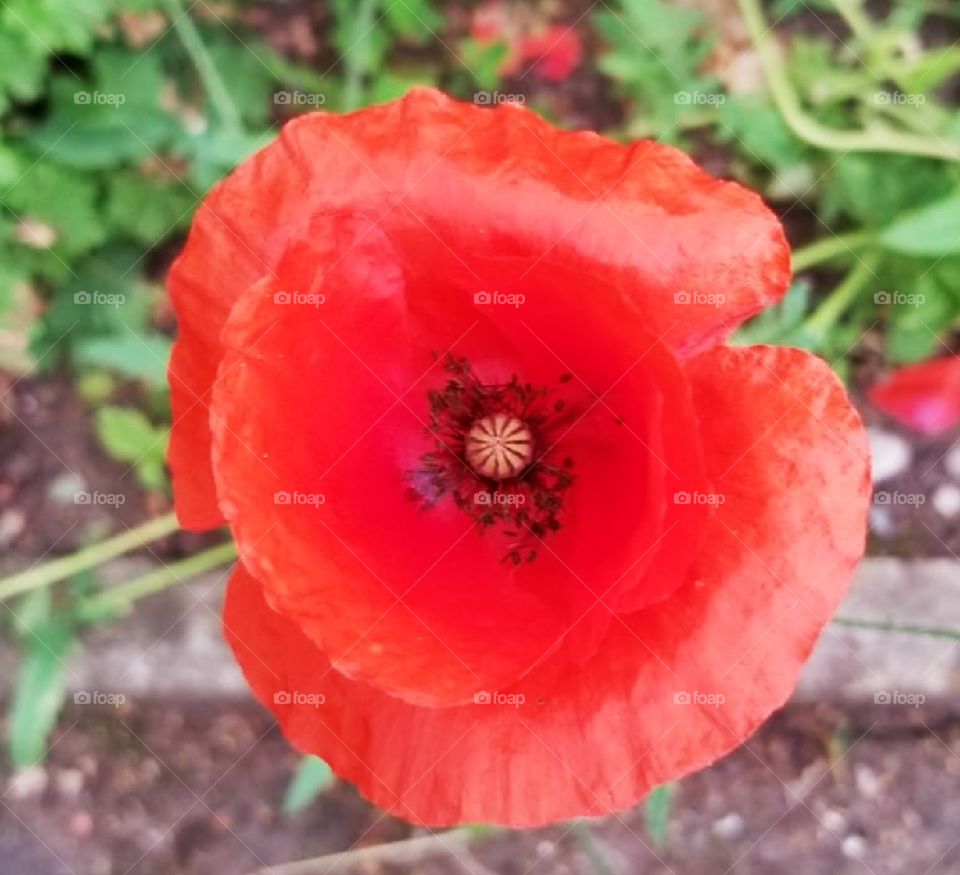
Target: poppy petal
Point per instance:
(696, 255)
(672, 687)
(413, 599)
(924, 396)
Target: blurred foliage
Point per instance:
(46, 637)
(880, 77)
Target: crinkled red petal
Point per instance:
(696, 255)
(671, 687)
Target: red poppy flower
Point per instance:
(553, 51)
(924, 396)
(520, 537)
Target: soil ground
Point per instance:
(164, 789)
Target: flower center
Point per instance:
(499, 446)
(482, 437)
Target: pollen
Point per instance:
(499, 446)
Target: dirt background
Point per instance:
(164, 789)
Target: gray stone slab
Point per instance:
(172, 644)
(856, 664)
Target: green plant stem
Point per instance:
(809, 129)
(354, 72)
(826, 249)
(902, 628)
(88, 557)
(821, 320)
(207, 70)
(121, 598)
(851, 11)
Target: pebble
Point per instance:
(868, 784)
(891, 454)
(881, 521)
(854, 847)
(730, 826)
(81, 824)
(12, 523)
(545, 848)
(29, 781)
(833, 820)
(946, 500)
(69, 782)
(64, 488)
(951, 461)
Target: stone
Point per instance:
(946, 500)
(891, 454)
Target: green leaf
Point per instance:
(311, 778)
(779, 323)
(931, 231)
(125, 432)
(485, 60)
(139, 357)
(145, 210)
(128, 436)
(874, 188)
(657, 810)
(215, 152)
(656, 51)
(55, 25)
(40, 686)
(248, 73)
(361, 45)
(59, 197)
(415, 20)
(827, 84)
(107, 122)
(921, 307)
(104, 136)
(931, 69)
(23, 65)
(759, 128)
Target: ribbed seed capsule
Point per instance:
(499, 446)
